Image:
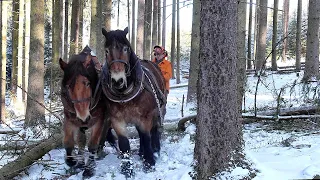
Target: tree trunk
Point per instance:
(178, 45)
(298, 36)
(140, 29)
(173, 38)
(56, 31)
(218, 133)
(155, 23)
(74, 34)
(82, 6)
(107, 14)
(256, 33)
(128, 8)
(249, 60)
(96, 39)
(262, 35)
(15, 34)
(118, 15)
(159, 23)
(26, 48)
(312, 57)
(194, 54)
(275, 35)
(12, 169)
(133, 26)
(35, 112)
(147, 29)
(285, 24)
(164, 24)
(4, 26)
(20, 105)
(241, 52)
(66, 29)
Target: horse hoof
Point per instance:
(148, 168)
(88, 172)
(70, 161)
(101, 154)
(127, 168)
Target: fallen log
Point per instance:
(13, 168)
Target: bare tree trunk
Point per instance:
(285, 24)
(96, 39)
(82, 6)
(147, 29)
(20, 105)
(275, 35)
(15, 34)
(155, 23)
(262, 37)
(298, 36)
(249, 60)
(140, 29)
(107, 14)
(218, 133)
(12, 169)
(173, 38)
(74, 36)
(159, 23)
(312, 59)
(26, 49)
(56, 29)
(35, 112)
(66, 30)
(178, 45)
(133, 26)
(4, 28)
(164, 24)
(118, 15)
(194, 54)
(128, 8)
(256, 32)
(241, 52)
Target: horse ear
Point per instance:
(126, 30)
(87, 61)
(63, 64)
(104, 32)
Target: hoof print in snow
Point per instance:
(126, 168)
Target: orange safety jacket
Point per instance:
(165, 67)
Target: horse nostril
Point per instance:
(120, 81)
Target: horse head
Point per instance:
(78, 84)
(117, 51)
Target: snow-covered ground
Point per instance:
(277, 152)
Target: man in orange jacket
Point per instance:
(165, 66)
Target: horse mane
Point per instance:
(75, 68)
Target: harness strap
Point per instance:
(153, 82)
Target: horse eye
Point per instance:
(125, 49)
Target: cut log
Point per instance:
(13, 168)
(182, 121)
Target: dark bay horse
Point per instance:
(135, 89)
(84, 108)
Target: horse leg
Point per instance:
(155, 139)
(124, 146)
(141, 143)
(68, 142)
(81, 144)
(96, 131)
(106, 135)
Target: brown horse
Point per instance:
(84, 108)
(135, 89)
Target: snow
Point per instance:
(277, 153)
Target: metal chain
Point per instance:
(157, 100)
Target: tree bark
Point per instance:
(218, 133)
(34, 112)
(262, 35)
(173, 38)
(155, 23)
(312, 57)
(4, 26)
(164, 24)
(298, 36)
(107, 14)
(285, 24)
(178, 45)
(256, 33)
(66, 29)
(159, 23)
(96, 39)
(74, 34)
(133, 26)
(140, 29)
(147, 29)
(274, 35)
(241, 52)
(249, 60)
(80, 41)
(56, 31)
(194, 54)
(15, 34)
(13, 168)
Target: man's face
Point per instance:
(158, 53)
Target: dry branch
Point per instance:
(13, 168)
